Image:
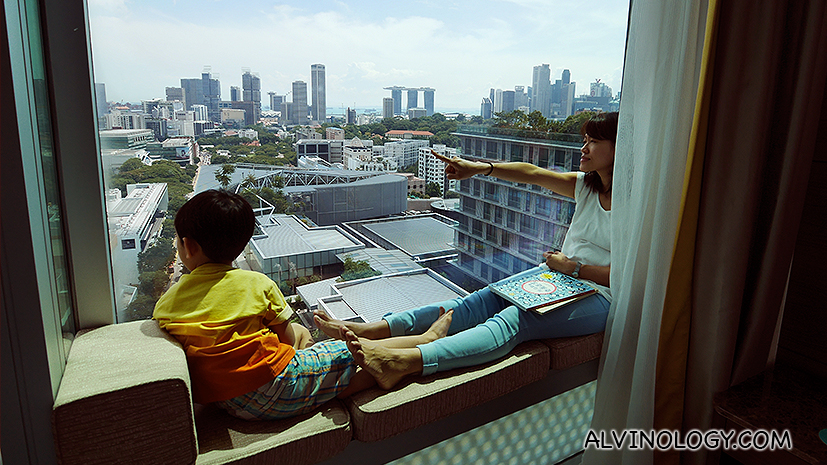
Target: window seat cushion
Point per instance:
(377, 414)
(125, 398)
(305, 439)
(566, 352)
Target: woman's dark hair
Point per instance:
(602, 126)
(220, 222)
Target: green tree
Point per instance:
(157, 256)
(432, 189)
(153, 283)
(131, 164)
(168, 229)
(356, 269)
(141, 308)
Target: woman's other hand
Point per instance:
(559, 262)
(458, 168)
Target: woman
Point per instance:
(482, 326)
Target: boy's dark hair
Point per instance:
(602, 126)
(220, 222)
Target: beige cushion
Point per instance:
(377, 414)
(305, 439)
(566, 352)
(124, 398)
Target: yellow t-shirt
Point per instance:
(221, 315)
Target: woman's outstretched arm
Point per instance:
(560, 183)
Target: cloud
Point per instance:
(459, 47)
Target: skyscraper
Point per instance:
(299, 106)
(508, 101)
(235, 94)
(176, 93)
(192, 92)
(211, 89)
(387, 107)
(251, 87)
(251, 92)
(203, 91)
(429, 100)
(100, 104)
(413, 96)
(541, 90)
(317, 92)
(487, 108)
(275, 101)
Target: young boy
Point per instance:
(242, 352)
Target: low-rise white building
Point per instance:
(135, 221)
(248, 133)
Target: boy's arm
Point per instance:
(293, 334)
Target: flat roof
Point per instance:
(415, 235)
(311, 293)
(374, 297)
(383, 261)
(285, 235)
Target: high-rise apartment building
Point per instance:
(299, 115)
(541, 90)
(432, 169)
(235, 94)
(505, 227)
(387, 107)
(318, 100)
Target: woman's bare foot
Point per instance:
(387, 365)
(439, 328)
(333, 328)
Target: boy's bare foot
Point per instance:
(332, 328)
(387, 365)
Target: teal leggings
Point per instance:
(486, 327)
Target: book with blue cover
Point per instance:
(541, 290)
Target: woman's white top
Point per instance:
(589, 238)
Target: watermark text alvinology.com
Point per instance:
(636, 439)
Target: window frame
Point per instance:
(68, 58)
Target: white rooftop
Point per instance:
(377, 296)
(286, 235)
(416, 235)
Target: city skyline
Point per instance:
(460, 48)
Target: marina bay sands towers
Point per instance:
(412, 100)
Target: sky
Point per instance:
(461, 48)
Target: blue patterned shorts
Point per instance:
(314, 376)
